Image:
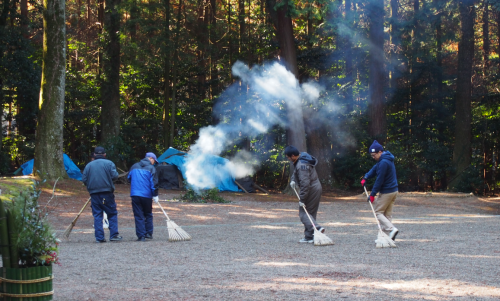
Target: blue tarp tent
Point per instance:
(211, 166)
(71, 168)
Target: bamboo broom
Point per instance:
(70, 227)
(320, 239)
(175, 233)
(383, 240)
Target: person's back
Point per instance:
(99, 174)
(142, 179)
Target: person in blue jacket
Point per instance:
(143, 191)
(98, 176)
(386, 185)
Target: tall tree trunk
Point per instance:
(174, 76)
(395, 44)
(463, 131)
(439, 78)
(110, 93)
(166, 87)
(284, 32)
(377, 74)
(49, 162)
(486, 38)
(348, 57)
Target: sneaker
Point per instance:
(393, 234)
(141, 239)
(100, 241)
(116, 238)
(148, 236)
(306, 241)
(321, 229)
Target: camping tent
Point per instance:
(71, 168)
(212, 166)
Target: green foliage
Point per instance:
(35, 240)
(204, 196)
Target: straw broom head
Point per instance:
(384, 241)
(321, 239)
(176, 233)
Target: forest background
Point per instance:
(144, 75)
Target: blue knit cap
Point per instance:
(375, 147)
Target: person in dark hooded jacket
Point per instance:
(143, 191)
(305, 177)
(386, 185)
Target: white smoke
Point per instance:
(270, 87)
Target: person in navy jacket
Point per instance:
(98, 176)
(386, 185)
(143, 191)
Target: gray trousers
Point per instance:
(312, 207)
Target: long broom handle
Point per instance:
(78, 215)
(373, 210)
(163, 210)
(304, 208)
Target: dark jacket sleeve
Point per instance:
(372, 172)
(85, 175)
(381, 171)
(154, 181)
(303, 175)
(113, 172)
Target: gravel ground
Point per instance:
(448, 249)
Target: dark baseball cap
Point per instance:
(99, 150)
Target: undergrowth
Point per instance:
(204, 196)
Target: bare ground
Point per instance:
(448, 249)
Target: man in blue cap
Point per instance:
(386, 185)
(98, 176)
(143, 191)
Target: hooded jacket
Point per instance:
(385, 171)
(306, 177)
(99, 174)
(143, 179)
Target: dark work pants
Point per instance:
(143, 214)
(104, 202)
(312, 206)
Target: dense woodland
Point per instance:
(142, 75)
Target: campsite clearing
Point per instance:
(448, 249)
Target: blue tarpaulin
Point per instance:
(71, 168)
(212, 166)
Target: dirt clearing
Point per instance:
(448, 249)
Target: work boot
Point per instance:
(321, 229)
(116, 238)
(141, 239)
(100, 241)
(148, 236)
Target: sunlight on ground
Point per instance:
(202, 217)
(285, 264)
(461, 215)
(261, 215)
(270, 227)
(473, 256)
(429, 289)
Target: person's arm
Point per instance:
(154, 182)
(371, 173)
(381, 172)
(85, 175)
(303, 174)
(114, 173)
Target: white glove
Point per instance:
(155, 198)
(292, 184)
(301, 204)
